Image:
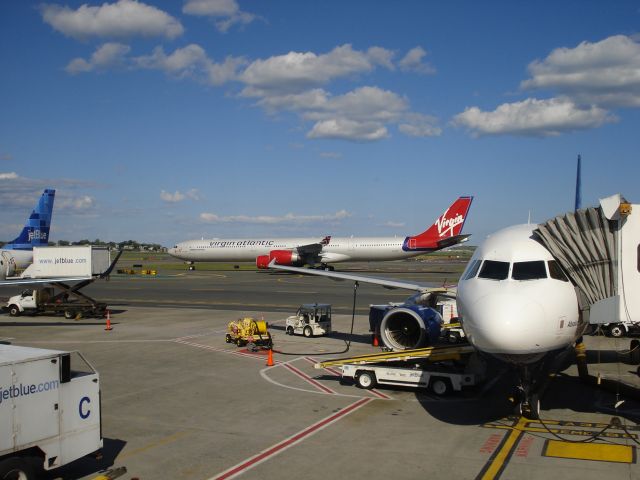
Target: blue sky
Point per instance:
(164, 121)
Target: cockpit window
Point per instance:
(529, 270)
(472, 270)
(556, 272)
(494, 270)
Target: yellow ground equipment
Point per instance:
(248, 330)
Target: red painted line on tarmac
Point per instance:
(288, 442)
(373, 391)
(308, 379)
(222, 350)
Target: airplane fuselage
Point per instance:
(339, 249)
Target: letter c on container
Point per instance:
(84, 414)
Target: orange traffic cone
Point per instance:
(270, 358)
(375, 340)
(108, 327)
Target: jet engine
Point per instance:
(405, 327)
(7, 265)
(282, 257)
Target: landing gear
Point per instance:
(527, 397)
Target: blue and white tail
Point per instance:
(36, 230)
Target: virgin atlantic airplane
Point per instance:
(445, 232)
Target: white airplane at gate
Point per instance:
(515, 301)
(445, 232)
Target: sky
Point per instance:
(163, 121)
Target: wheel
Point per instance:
(307, 332)
(227, 338)
(240, 342)
(616, 330)
(14, 311)
(366, 380)
(18, 468)
(440, 386)
(69, 314)
(289, 330)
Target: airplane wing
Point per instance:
(387, 283)
(313, 249)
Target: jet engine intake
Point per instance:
(410, 326)
(7, 265)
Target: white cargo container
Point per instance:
(49, 410)
(73, 261)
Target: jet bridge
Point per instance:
(599, 248)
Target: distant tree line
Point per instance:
(126, 245)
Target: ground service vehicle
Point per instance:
(441, 369)
(49, 410)
(245, 331)
(310, 320)
(46, 300)
(622, 329)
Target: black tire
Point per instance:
(440, 386)
(617, 331)
(69, 314)
(366, 379)
(14, 311)
(18, 468)
(307, 332)
(289, 330)
(227, 338)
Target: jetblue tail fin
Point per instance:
(445, 232)
(36, 230)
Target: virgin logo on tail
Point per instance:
(446, 225)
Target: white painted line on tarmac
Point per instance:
(280, 447)
(310, 380)
(373, 391)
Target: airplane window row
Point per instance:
(532, 270)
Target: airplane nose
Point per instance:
(508, 324)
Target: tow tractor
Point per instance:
(440, 369)
(310, 320)
(245, 331)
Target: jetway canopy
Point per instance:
(583, 242)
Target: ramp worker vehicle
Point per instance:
(49, 411)
(245, 331)
(310, 320)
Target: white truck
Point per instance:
(49, 410)
(310, 320)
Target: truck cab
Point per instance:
(310, 320)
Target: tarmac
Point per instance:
(180, 403)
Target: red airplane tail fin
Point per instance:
(446, 229)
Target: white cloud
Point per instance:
(289, 218)
(193, 62)
(125, 18)
(605, 73)
(106, 56)
(391, 224)
(343, 129)
(533, 117)
(413, 62)
(297, 71)
(177, 196)
(227, 11)
(418, 125)
(81, 203)
(8, 176)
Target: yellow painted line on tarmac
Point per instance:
(601, 452)
(498, 461)
(159, 443)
